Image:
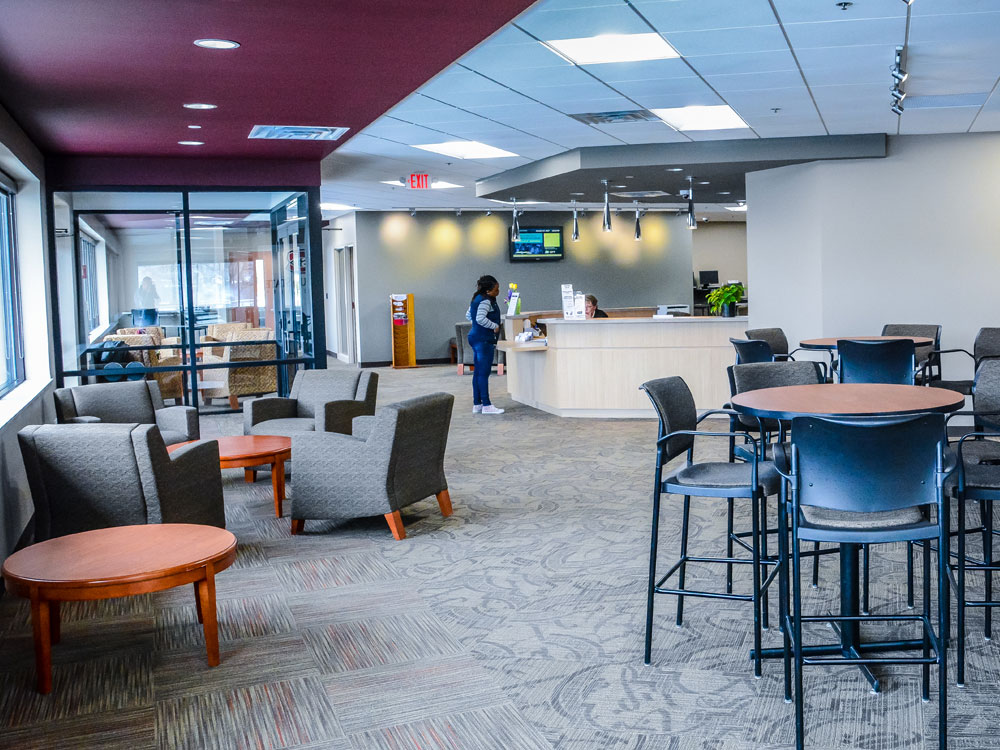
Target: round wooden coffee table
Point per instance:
(247, 451)
(830, 343)
(120, 561)
(845, 400)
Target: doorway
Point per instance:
(347, 298)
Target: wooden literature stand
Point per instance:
(404, 348)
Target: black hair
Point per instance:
(484, 285)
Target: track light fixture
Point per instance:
(413, 212)
(606, 224)
(638, 229)
(692, 222)
(576, 223)
(896, 109)
(458, 212)
(515, 229)
(489, 211)
(897, 94)
(899, 76)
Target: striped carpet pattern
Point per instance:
(515, 624)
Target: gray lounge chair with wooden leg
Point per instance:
(394, 459)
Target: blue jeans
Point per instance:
(482, 362)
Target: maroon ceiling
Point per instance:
(108, 77)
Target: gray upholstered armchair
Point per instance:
(92, 476)
(320, 401)
(464, 353)
(395, 459)
(126, 403)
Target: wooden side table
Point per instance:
(120, 561)
(247, 451)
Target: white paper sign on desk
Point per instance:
(568, 301)
(513, 304)
(579, 306)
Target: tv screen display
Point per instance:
(537, 243)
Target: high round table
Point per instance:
(830, 343)
(846, 400)
(246, 451)
(120, 561)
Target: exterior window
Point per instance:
(90, 302)
(11, 342)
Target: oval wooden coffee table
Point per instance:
(247, 451)
(830, 343)
(120, 561)
(845, 400)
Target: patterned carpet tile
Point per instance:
(270, 658)
(121, 729)
(239, 619)
(496, 728)
(306, 546)
(329, 572)
(231, 583)
(314, 609)
(363, 644)
(94, 685)
(400, 694)
(286, 714)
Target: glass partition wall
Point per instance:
(208, 293)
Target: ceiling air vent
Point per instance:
(642, 194)
(616, 118)
(296, 133)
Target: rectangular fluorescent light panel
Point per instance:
(435, 185)
(613, 48)
(714, 117)
(465, 150)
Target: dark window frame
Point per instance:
(10, 290)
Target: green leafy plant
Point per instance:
(725, 295)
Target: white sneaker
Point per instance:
(476, 408)
(492, 410)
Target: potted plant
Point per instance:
(722, 301)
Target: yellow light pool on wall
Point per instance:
(487, 236)
(396, 229)
(444, 239)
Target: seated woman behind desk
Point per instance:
(592, 310)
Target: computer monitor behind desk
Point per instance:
(144, 316)
(708, 278)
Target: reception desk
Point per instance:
(593, 368)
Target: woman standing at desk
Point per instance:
(485, 316)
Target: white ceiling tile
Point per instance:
(755, 82)
(942, 120)
(521, 78)
(643, 132)
(696, 15)
(728, 41)
(523, 116)
(397, 130)
(939, 7)
(581, 22)
(778, 127)
(744, 63)
(987, 122)
(720, 135)
(831, 66)
(584, 97)
(698, 96)
(691, 90)
(793, 102)
(847, 33)
(796, 11)
(936, 78)
(528, 54)
(967, 30)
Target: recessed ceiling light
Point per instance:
(519, 202)
(435, 184)
(465, 150)
(704, 182)
(335, 207)
(712, 117)
(216, 43)
(194, 127)
(191, 143)
(736, 208)
(577, 193)
(613, 48)
(725, 192)
(675, 169)
(200, 106)
(619, 186)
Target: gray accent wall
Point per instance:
(437, 256)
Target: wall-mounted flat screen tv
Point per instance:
(537, 243)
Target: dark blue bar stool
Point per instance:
(877, 361)
(754, 350)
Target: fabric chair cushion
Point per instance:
(287, 427)
(170, 437)
(116, 402)
(977, 451)
(839, 519)
(984, 476)
(718, 475)
(959, 386)
(361, 427)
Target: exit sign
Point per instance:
(420, 182)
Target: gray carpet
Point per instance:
(517, 623)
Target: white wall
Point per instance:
(842, 247)
(720, 246)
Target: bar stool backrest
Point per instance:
(866, 465)
(986, 389)
(757, 375)
(773, 336)
(675, 407)
(877, 361)
(986, 345)
(753, 350)
(927, 330)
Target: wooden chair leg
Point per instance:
(395, 522)
(444, 500)
(298, 525)
(234, 402)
